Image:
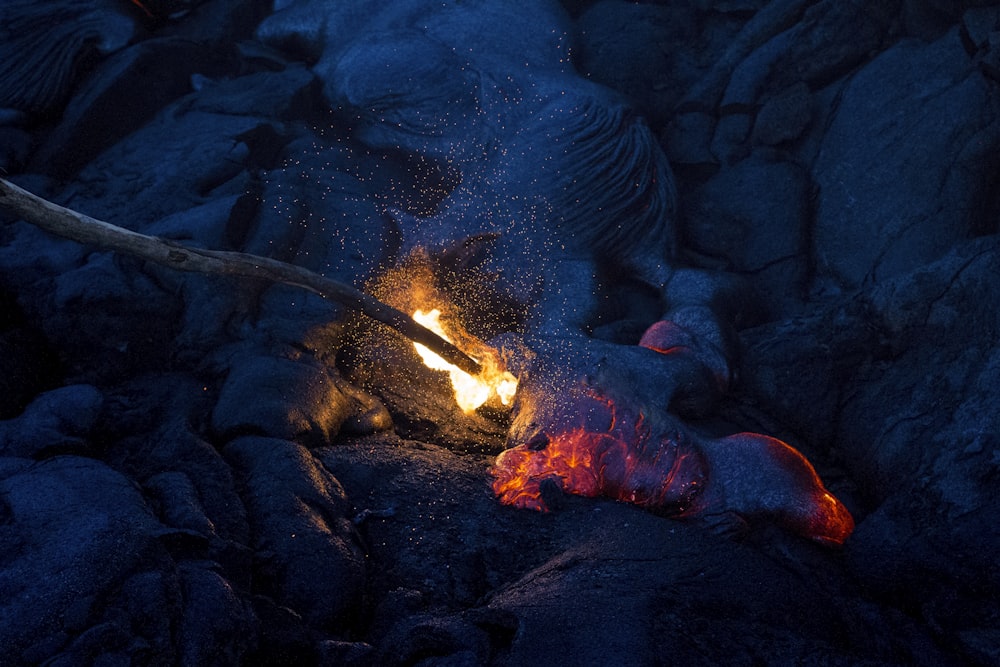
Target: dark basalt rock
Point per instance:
(927, 472)
(646, 51)
(107, 107)
(28, 364)
(73, 530)
(291, 399)
(199, 157)
(784, 116)
(885, 208)
(317, 211)
(308, 556)
(441, 549)
(753, 217)
(220, 23)
(533, 587)
(696, 586)
(130, 320)
(15, 148)
(191, 486)
(218, 625)
(47, 45)
(58, 420)
(176, 494)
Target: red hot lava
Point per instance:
(626, 462)
(617, 455)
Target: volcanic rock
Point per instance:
(42, 59)
(754, 217)
(58, 420)
(73, 530)
(650, 66)
(257, 398)
(874, 220)
(107, 108)
(309, 557)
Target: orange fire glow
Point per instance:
(470, 392)
(618, 456)
(625, 463)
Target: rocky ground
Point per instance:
(191, 473)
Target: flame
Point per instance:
(470, 392)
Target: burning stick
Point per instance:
(471, 391)
(78, 227)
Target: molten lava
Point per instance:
(626, 463)
(470, 391)
(613, 452)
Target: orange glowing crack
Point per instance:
(625, 462)
(142, 7)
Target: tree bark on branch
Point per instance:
(81, 228)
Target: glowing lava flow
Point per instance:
(614, 453)
(626, 462)
(470, 392)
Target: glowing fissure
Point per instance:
(470, 391)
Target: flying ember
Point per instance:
(470, 392)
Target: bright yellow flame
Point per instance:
(470, 392)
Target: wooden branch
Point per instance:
(78, 227)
